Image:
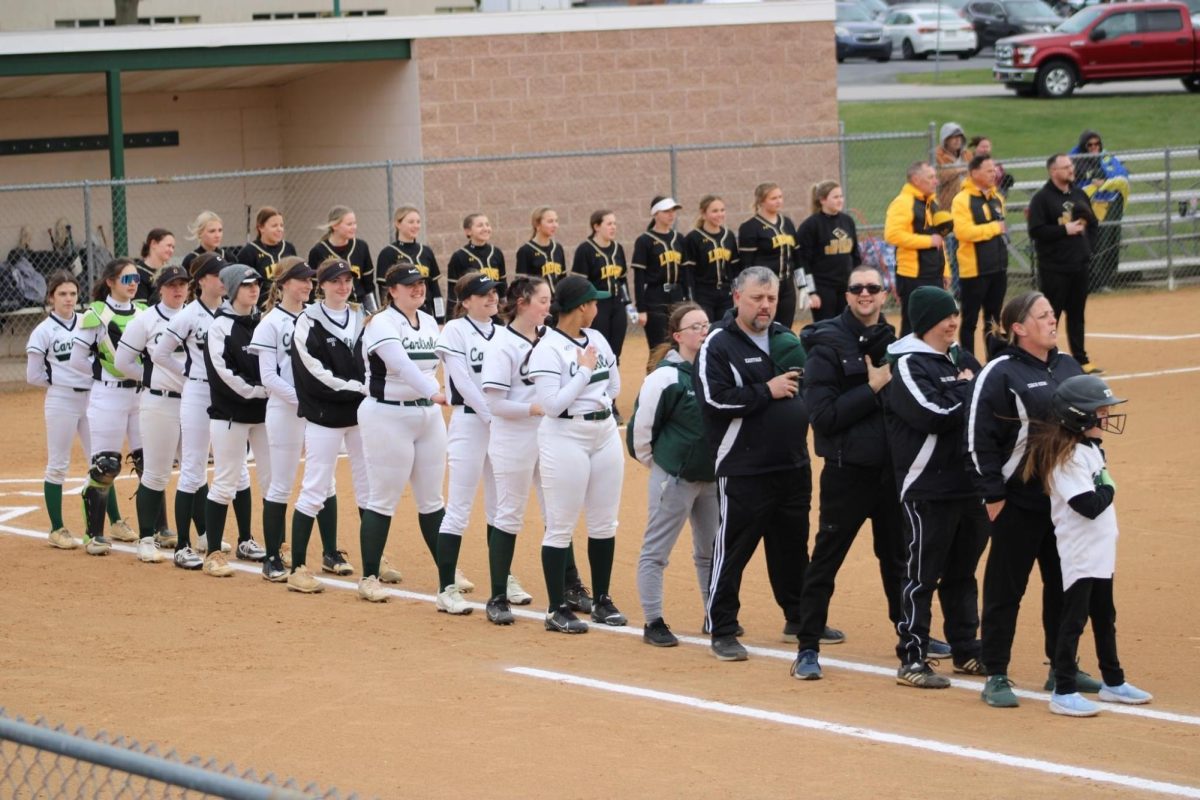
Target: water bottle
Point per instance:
(631, 312)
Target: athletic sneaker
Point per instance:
(62, 539)
(388, 573)
(516, 594)
(121, 532)
(336, 563)
(1083, 682)
(1091, 369)
(998, 692)
(578, 598)
(273, 570)
(166, 539)
(285, 555)
(97, 545)
(563, 620)
(605, 612)
(728, 648)
(922, 676)
(304, 582)
(1073, 705)
(187, 558)
(462, 582)
(147, 551)
(450, 601)
(657, 632)
(498, 612)
(969, 666)
(370, 590)
(832, 636)
(807, 667)
(250, 550)
(202, 545)
(936, 648)
(1126, 693)
(217, 565)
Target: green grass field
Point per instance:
(948, 77)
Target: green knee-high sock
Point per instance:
(327, 523)
(572, 572)
(214, 523)
(243, 510)
(199, 499)
(554, 567)
(114, 511)
(600, 559)
(501, 546)
(372, 538)
(274, 519)
(149, 503)
(447, 558)
(53, 495)
(429, 524)
(183, 518)
(302, 525)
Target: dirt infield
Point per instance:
(400, 701)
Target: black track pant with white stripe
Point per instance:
(773, 507)
(945, 539)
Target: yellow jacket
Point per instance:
(978, 225)
(909, 228)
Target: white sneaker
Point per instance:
(147, 551)
(370, 590)
(462, 582)
(250, 550)
(387, 572)
(121, 532)
(1126, 693)
(516, 594)
(451, 601)
(187, 558)
(62, 539)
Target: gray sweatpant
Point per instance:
(673, 501)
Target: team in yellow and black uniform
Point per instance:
(659, 279)
(602, 260)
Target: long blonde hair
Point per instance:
(197, 226)
(336, 215)
(760, 194)
(401, 213)
(275, 293)
(535, 219)
(705, 202)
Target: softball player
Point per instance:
(602, 261)
(327, 367)
(158, 413)
(407, 250)
(408, 436)
(768, 239)
(710, 256)
(541, 255)
(658, 277)
(579, 451)
(477, 255)
(48, 364)
(237, 413)
(512, 444)
(268, 247)
(112, 407)
(157, 250)
(339, 239)
(209, 231)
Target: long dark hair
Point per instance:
(1014, 311)
(520, 290)
(198, 263)
(112, 270)
(57, 279)
(155, 235)
(275, 293)
(1050, 445)
(674, 321)
(460, 286)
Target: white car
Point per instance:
(921, 30)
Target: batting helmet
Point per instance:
(1077, 399)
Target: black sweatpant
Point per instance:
(833, 300)
(905, 287)
(945, 539)
(985, 292)
(1020, 536)
(715, 300)
(849, 497)
(611, 322)
(1067, 293)
(1087, 598)
(785, 312)
(773, 507)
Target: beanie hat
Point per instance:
(928, 306)
(234, 276)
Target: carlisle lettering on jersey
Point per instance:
(62, 350)
(476, 357)
(420, 347)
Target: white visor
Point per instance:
(666, 204)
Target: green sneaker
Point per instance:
(1083, 682)
(998, 693)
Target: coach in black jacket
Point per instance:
(748, 382)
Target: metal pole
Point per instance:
(87, 235)
(391, 203)
(933, 143)
(937, 53)
(1170, 212)
(116, 162)
(842, 169)
(674, 174)
(337, 8)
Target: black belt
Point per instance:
(198, 380)
(591, 416)
(128, 384)
(406, 403)
(161, 393)
(76, 389)
(469, 410)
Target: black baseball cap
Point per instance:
(479, 285)
(169, 273)
(403, 276)
(300, 271)
(208, 264)
(335, 270)
(575, 290)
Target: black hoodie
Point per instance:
(234, 382)
(1049, 211)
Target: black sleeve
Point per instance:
(641, 260)
(1092, 504)
(856, 259)
(525, 260)
(1043, 227)
(387, 260)
(248, 256)
(316, 255)
(455, 269)
(623, 281)
(502, 271)
(692, 246)
(807, 245)
(582, 262)
(735, 256)
(289, 249)
(747, 238)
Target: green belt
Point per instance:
(592, 416)
(405, 403)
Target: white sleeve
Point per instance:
(35, 369)
(314, 367)
(647, 410)
(132, 343)
(163, 354)
(216, 353)
(556, 399)
(81, 353)
(460, 373)
(268, 368)
(614, 381)
(127, 360)
(501, 406)
(395, 357)
(1072, 478)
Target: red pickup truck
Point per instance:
(1113, 42)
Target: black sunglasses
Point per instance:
(871, 288)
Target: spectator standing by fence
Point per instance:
(1104, 179)
(909, 228)
(982, 251)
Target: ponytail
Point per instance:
(520, 290)
(820, 191)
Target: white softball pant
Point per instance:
(468, 462)
(512, 450)
(159, 421)
(582, 464)
(66, 417)
(404, 444)
(194, 427)
(229, 441)
(113, 418)
(321, 448)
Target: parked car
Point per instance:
(921, 30)
(996, 19)
(1111, 42)
(857, 35)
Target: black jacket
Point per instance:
(1012, 389)
(234, 382)
(926, 408)
(328, 368)
(749, 432)
(827, 248)
(1049, 211)
(846, 416)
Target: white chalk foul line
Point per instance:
(1154, 374)
(1146, 337)
(880, 737)
(698, 641)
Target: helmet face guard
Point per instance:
(1077, 401)
(1111, 423)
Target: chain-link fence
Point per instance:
(40, 761)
